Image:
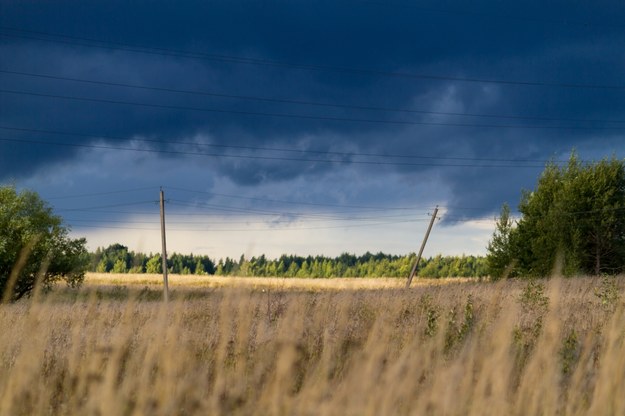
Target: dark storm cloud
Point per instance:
(555, 50)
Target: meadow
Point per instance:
(293, 347)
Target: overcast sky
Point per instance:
(301, 126)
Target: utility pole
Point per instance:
(164, 253)
(425, 239)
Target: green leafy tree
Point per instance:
(304, 271)
(101, 267)
(154, 265)
(106, 258)
(500, 257)
(292, 270)
(199, 268)
(119, 266)
(35, 246)
(219, 271)
(594, 205)
(138, 262)
(573, 222)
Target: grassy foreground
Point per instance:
(513, 348)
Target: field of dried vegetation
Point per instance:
(468, 348)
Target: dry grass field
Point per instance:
(553, 347)
(282, 283)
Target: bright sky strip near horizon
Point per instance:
(302, 127)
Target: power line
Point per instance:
(271, 158)
(263, 230)
(101, 193)
(302, 116)
(295, 216)
(238, 112)
(367, 221)
(275, 149)
(91, 42)
(186, 214)
(115, 212)
(244, 222)
(452, 219)
(566, 22)
(106, 206)
(88, 195)
(310, 217)
(368, 208)
(270, 223)
(241, 210)
(301, 102)
(255, 211)
(378, 208)
(266, 158)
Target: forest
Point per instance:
(117, 258)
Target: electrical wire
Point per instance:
(270, 158)
(91, 42)
(304, 116)
(471, 13)
(240, 222)
(124, 191)
(125, 204)
(283, 150)
(280, 201)
(333, 216)
(300, 102)
(307, 116)
(263, 230)
(226, 208)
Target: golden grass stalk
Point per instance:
(457, 349)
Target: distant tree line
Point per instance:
(118, 259)
(350, 265)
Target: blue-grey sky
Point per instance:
(305, 127)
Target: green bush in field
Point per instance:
(34, 246)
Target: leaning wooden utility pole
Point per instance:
(164, 253)
(425, 239)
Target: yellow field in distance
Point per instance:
(344, 283)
